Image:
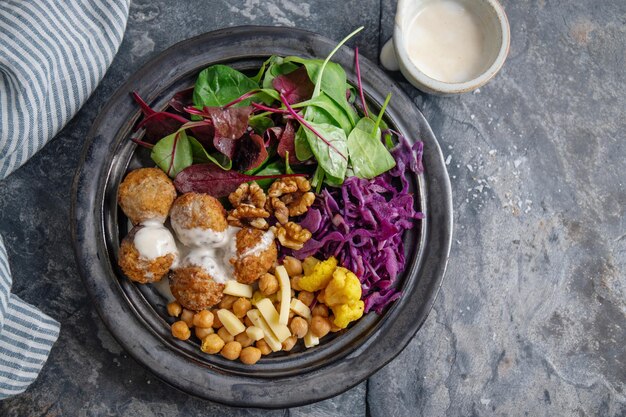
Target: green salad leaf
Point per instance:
(173, 153)
(331, 160)
(219, 85)
(368, 156)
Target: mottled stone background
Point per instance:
(531, 316)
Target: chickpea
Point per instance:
(299, 327)
(320, 326)
(247, 322)
(294, 283)
(250, 355)
(180, 330)
(268, 284)
(216, 320)
(289, 343)
(263, 347)
(212, 344)
(306, 297)
(231, 350)
(203, 318)
(291, 314)
(321, 296)
(241, 307)
(202, 332)
(333, 327)
(174, 309)
(228, 301)
(226, 337)
(293, 266)
(187, 317)
(244, 340)
(320, 310)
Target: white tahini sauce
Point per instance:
(263, 245)
(446, 41)
(198, 237)
(211, 263)
(154, 240)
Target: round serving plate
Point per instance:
(135, 314)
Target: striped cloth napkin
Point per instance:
(53, 54)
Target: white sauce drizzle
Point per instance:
(262, 246)
(153, 240)
(198, 237)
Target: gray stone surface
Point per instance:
(530, 319)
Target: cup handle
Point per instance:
(388, 57)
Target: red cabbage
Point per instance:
(362, 223)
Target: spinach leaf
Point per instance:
(368, 156)
(331, 160)
(219, 85)
(277, 66)
(173, 153)
(274, 168)
(322, 109)
(200, 155)
(260, 123)
(303, 150)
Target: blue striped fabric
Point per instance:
(53, 54)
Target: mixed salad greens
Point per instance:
(297, 117)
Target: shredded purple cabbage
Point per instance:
(362, 225)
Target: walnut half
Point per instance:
(289, 197)
(248, 194)
(291, 235)
(246, 215)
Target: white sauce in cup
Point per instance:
(447, 42)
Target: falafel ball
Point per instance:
(199, 220)
(194, 288)
(147, 254)
(256, 254)
(146, 194)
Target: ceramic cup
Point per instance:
(490, 13)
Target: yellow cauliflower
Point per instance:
(345, 313)
(319, 277)
(344, 288)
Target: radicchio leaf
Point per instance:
(286, 143)
(230, 124)
(182, 99)
(211, 179)
(295, 86)
(157, 124)
(251, 152)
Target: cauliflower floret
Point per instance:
(308, 264)
(320, 276)
(344, 288)
(346, 313)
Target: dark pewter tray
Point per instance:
(135, 314)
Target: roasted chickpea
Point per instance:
(295, 283)
(320, 326)
(244, 340)
(212, 344)
(241, 307)
(247, 322)
(306, 297)
(250, 355)
(289, 343)
(187, 317)
(231, 350)
(228, 301)
(180, 330)
(321, 296)
(174, 309)
(203, 318)
(320, 310)
(216, 320)
(293, 266)
(202, 332)
(333, 327)
(263, 347)
(299, 327)
(226, 337)
(268, 284)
